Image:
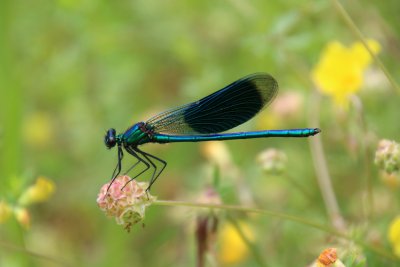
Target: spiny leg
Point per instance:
(154, 177)
(144, 154)
(133, 153)
(133, 166)
(119, 167)
(164, 163)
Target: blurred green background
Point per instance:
(72, 69)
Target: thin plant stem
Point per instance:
(252, 210)
(33, 254)
(366, 157)
(350, 23)
(300, 187)
(318, 155)
(11, 103)
(321, 169)
(324, 228)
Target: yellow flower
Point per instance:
(39, 192)
(339, 72)
(5, 211)
(218, 153)
(23, 217)
(38, 130)
(394, 235)
(391, 180)
(233, 248)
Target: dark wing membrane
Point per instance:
(220, 111)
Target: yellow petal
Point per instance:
(39, 192)
(23, 217)
(232, 247)
(216, 152)
(339, 72)
(361, 55)
(394, 235)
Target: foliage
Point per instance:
(72, 69)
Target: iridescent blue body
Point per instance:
(137, 136)
(203, 120)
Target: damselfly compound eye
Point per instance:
(110, 139)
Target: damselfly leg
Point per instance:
(155, 175)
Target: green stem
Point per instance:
(350, 23)
(33, 254)
(321, 168)
(300, 187)
(283, 216)
(10, 103)
(366, 156)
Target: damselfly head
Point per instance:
(110, 139)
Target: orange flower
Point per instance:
(328, 258)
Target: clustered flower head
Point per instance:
(272, 161)
(125, 200)
(339, 72)
(387, 156)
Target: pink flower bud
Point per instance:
(125, 200)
